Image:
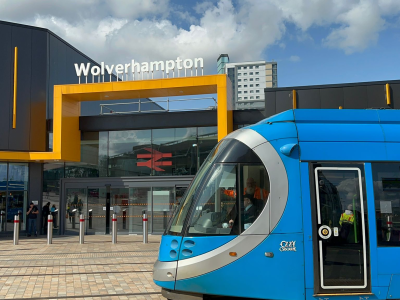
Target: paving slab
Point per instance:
(66, 269)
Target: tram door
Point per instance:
(341, 254)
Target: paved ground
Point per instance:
(68, 270)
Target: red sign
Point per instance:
(153, 162)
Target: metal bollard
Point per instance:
(49, 230)
(114, 228)
(16, 230)
(81, 229)
(145, 229)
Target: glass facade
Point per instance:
(14, 178)
(152, 152)
(132, 153)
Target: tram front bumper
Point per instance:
(164, 274)
(176, 295)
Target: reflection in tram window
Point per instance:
(217, 209)
(215, 202)
(256, 191)
(387, 202)
(182, 211)
(215, 212)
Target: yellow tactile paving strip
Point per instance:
(68, 270)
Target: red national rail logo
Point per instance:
(153, 162)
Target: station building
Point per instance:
(56, 147)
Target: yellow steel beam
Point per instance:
(388, 102)
(67, 98)
(15, 88)
(294, 99)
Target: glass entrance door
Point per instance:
(98, 200)
(119, 204)
(3, 209)
(75, 206)
(341, 253)
(163, 201)
(139, 200)
(96, 210)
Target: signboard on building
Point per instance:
(136, 70)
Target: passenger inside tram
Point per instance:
(251, 189)
(250, 211)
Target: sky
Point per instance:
(313, 41)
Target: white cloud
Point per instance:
(121, 30)
(294, 58)
(360, 29)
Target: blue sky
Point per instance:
(313, 41)
(321, 65)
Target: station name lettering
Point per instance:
(136, 67)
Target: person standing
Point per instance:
(32, 214)
(45, 214)
(54, 214)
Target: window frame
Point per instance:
(239, 191)
(377, 209)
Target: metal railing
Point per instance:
(110, 109)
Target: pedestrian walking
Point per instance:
(45, 214)
(54, 214)
(32, 214)
(69, 212)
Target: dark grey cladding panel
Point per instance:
(395, 95)
(270, 103)
(56, 69)
(6, 84)
(250, 116)
(62, 69)
(36, 182)
(284, 101)
(149, 121)
(355, 97)
(308, 99)
(38, 91)
(19, 137)
(331, 97)
(376, 96)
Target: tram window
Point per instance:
(216, 209)
(181, 212)
(256, 190)
(386, 178)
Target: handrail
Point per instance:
(109, 107)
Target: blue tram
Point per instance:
(302, 205)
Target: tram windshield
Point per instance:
(226, 196)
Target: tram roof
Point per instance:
(337, 116)
(324, 133)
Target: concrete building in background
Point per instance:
(249, 79)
